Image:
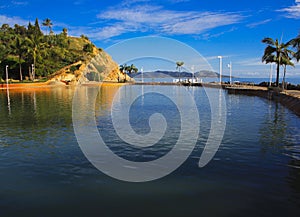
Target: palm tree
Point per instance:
(47, 22)
(296, 44)
(34, 45)
(65, 31)
(19, 47)
(128, 69)
(123, 70)
(179, 65)
(286, 61)
(275, 52)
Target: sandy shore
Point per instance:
(43, 85)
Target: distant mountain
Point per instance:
(175, 74)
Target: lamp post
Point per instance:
(230, 72)
(271, 72)
(6, 70)
(193, 69)
(33, 71)
(142, 72)
(7, 89)
(220, 57)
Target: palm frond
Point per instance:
(268, 41)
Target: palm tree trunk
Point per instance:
(20, 68)
(21, 76)
(283, 80)
(277, 75)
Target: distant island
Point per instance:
(176, 74)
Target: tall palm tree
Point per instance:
(179, 65)
(47, 22)
(34, 45)
(275, 52)
(286, 61)
(20, 48)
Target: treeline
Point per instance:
(30, 54)
(282, 54)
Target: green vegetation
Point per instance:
(30, 54)
(281, 54)
(128, 69)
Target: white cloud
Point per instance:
(19, 3)
(12, 20)
(253, 25)
(292, 11)
(156, 19)
(251, 62)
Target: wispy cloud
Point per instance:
(19, 3)
(253, 25)
(292, 11)
(155, 19)
(12, 20)
(251, 62)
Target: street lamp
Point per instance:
(193, 71)
(230, 72)
(33, 71)
(220, 57)
(271, 72)
(142, 72)
(6, 70)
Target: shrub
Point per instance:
(88, 48)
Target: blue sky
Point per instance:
(231, 28)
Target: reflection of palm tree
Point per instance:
(273, 130)
(179, 65)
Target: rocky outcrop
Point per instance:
(98, 67)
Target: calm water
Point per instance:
(292, 80)
(256, 171)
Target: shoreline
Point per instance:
(288, 98)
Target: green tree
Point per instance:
(286, 61)
(65, 32)
(34, 46)
(20, 30)
(19, 48)
(295, 43)
(179, 65)
(123, 70)
(47, 22)
(88, 48)
(37, 30)
(275, 52)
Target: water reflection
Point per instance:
(273, 129)
(40, 158)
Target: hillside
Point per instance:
(30, 55)
(96, 67)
